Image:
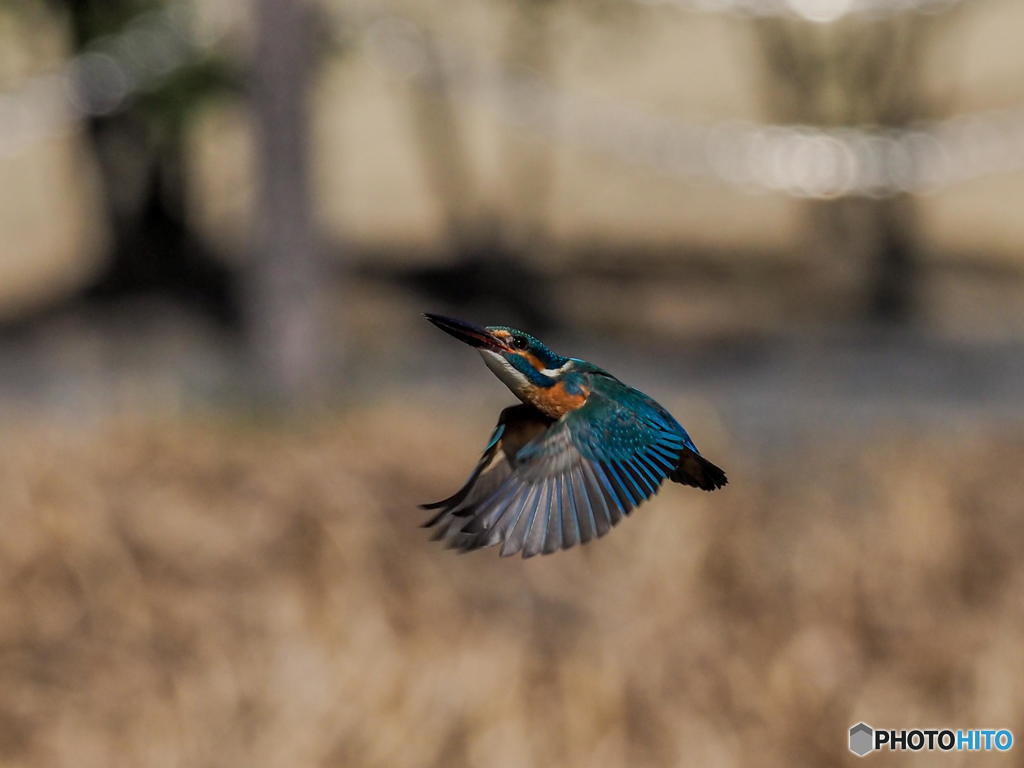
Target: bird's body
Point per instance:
(580, 453)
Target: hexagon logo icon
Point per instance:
(862, 739)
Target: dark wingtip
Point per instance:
(433, 520)
(714, 476)
(696, 471)
(716, 484)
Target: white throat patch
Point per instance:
(512, 378)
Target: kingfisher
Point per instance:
(579, 452)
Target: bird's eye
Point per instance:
(519, 343)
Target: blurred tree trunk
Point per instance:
(140, 154)
(446, 160)
(529, 160)
(283, 280)
(855, 72)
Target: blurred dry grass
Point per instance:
(219, 594)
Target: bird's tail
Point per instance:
(693, 469)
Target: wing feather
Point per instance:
(646, 474)
(581, 502)
(542, 485)
(536, 533)
(568, 515)
(594, 491)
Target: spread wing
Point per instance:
(517, 425)
(571, 482)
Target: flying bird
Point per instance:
(578, 454)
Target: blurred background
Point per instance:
(796, 223)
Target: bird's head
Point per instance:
(520, 360)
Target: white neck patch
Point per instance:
(552, 372)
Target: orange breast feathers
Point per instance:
(555, 401)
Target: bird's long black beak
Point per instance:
(466, 332)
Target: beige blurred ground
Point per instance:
(212, 593)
